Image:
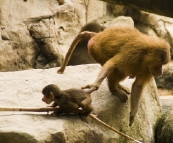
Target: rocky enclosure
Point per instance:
(35, 35)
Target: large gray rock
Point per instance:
(23, 88)
(25, 23)
(121, 21)
(18, 51)
(43, 21)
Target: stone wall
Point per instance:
(37, 34)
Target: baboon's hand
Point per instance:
(87, 86)
(60, 71)
(131, 119)
(94, 86)
(83, 117)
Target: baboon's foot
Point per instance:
(124, 89)
(83, 116)
(123, 96)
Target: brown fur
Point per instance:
(125, 52)
(69, 101)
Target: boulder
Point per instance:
(23, 89)
(18, 51)
(37, 34)
(121, 21)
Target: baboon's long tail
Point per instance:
(83, 35)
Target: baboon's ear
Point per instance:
(52, 96)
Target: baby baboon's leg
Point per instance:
(87, 108)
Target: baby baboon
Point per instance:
(69, 101)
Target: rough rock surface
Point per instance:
(37, 34)
(23, 88)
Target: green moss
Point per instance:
(164, 128)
